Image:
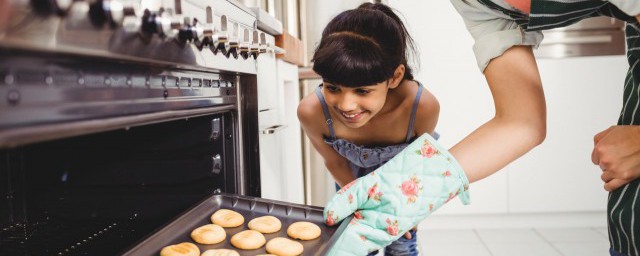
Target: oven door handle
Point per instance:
(273, 129)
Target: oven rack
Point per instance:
(50, 235)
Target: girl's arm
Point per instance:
(519, 123)
(337, 165)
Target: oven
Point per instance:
(120, 119)
(110, 127)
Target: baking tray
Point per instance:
(179, 230)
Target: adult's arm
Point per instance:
(519, 123)
(503, 52)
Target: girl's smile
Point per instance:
(352, 117)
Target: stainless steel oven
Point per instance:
(120, 118)
(115, 119)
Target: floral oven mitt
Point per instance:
(396, 197)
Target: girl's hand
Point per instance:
(392, 200)
(408, 234)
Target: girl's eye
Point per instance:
(362, 91)
(331, 88)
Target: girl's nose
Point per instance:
(347, 104)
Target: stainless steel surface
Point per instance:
(217, 164)
(149, 31)
(147, 98)
(248, 148)
(80, 67)
(590, 37)
(50, 89)
(216, 129)
(266, 22)
(32, 134)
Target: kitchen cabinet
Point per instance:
(291, 140)
(281, 173)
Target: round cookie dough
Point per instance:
(265, 224)
(227, 218)
(220, 252)
(248, 240)
(303, 230)
(209, 234)
(182, 249)
(284, 247)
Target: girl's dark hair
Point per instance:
(363, 46)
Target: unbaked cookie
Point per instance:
(248, 240)
(284, 247)
(265, 224)
(182, 249)
(227, 218)
(209, 234)
(303, 230)
(220, 252)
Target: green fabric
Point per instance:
(394, 198)
(623, 207)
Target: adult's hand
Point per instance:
(617, 152)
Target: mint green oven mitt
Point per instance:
(394, 198)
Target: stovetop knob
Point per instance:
(254, 48)
(110, 12)
(244, 45)
(50, 7)
(160, 23)
(233, 42)
(195, 32)
(262, 47)
(220, 39)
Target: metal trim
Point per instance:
(29, 135)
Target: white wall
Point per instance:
(584, 96)
(318, 14)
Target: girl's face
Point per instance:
(355, 106)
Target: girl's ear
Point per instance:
(398, 75)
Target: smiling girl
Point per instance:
(368, 107)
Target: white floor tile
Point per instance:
(448, 236)
(509, 235)
(521, 249)
(583, 249)
(453, 249)
(509, 242)
(571, 235)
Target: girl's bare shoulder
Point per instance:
(310, 114)
(428, 112)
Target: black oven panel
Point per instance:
(97, 194)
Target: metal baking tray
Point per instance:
(179, 230)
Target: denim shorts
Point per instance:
(614, 253)
(401, 247)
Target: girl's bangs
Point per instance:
(352, 62)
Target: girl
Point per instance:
(368, 107)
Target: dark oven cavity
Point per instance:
(97, 194)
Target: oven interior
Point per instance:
(98, 194)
